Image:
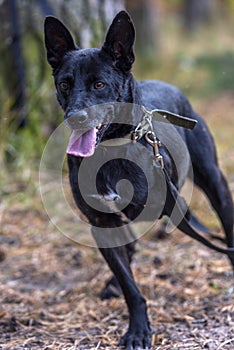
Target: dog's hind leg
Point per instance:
(215, 186)
(112, 288)
(208, 176)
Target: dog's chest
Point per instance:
(124, 175)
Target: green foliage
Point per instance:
(230, 4)
(21, 149)
(221, 71)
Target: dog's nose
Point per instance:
(74, 119)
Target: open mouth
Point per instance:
(83, 144)
(101, 128)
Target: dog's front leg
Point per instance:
(138, 335)
(112, 288)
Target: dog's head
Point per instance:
(90, 77)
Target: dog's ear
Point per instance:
(58, 41)
(120, 40)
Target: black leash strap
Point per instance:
(145, 128)
(173, 118)
(184, 225)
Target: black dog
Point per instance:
(90, 77)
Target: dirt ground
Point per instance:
(50, 286)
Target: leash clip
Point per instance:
(143, 127)
(152, 140)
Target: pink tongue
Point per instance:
(82, 145)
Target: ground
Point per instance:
(50, 286)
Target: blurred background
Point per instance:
(188, 43)
(45, 300)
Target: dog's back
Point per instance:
(159, 94)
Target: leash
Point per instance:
(145, 128)
(184, 225)
(162, 116)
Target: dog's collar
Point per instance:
(160, 115)
(145, 128)
(145, 125)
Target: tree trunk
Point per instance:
(11, 65)
(196, 12)
(89, 19)
(143, 13)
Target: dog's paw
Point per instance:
(137, 339)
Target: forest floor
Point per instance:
(50, 286)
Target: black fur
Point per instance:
(75, 73)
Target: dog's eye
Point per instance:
(64, 86)
(99, 85)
